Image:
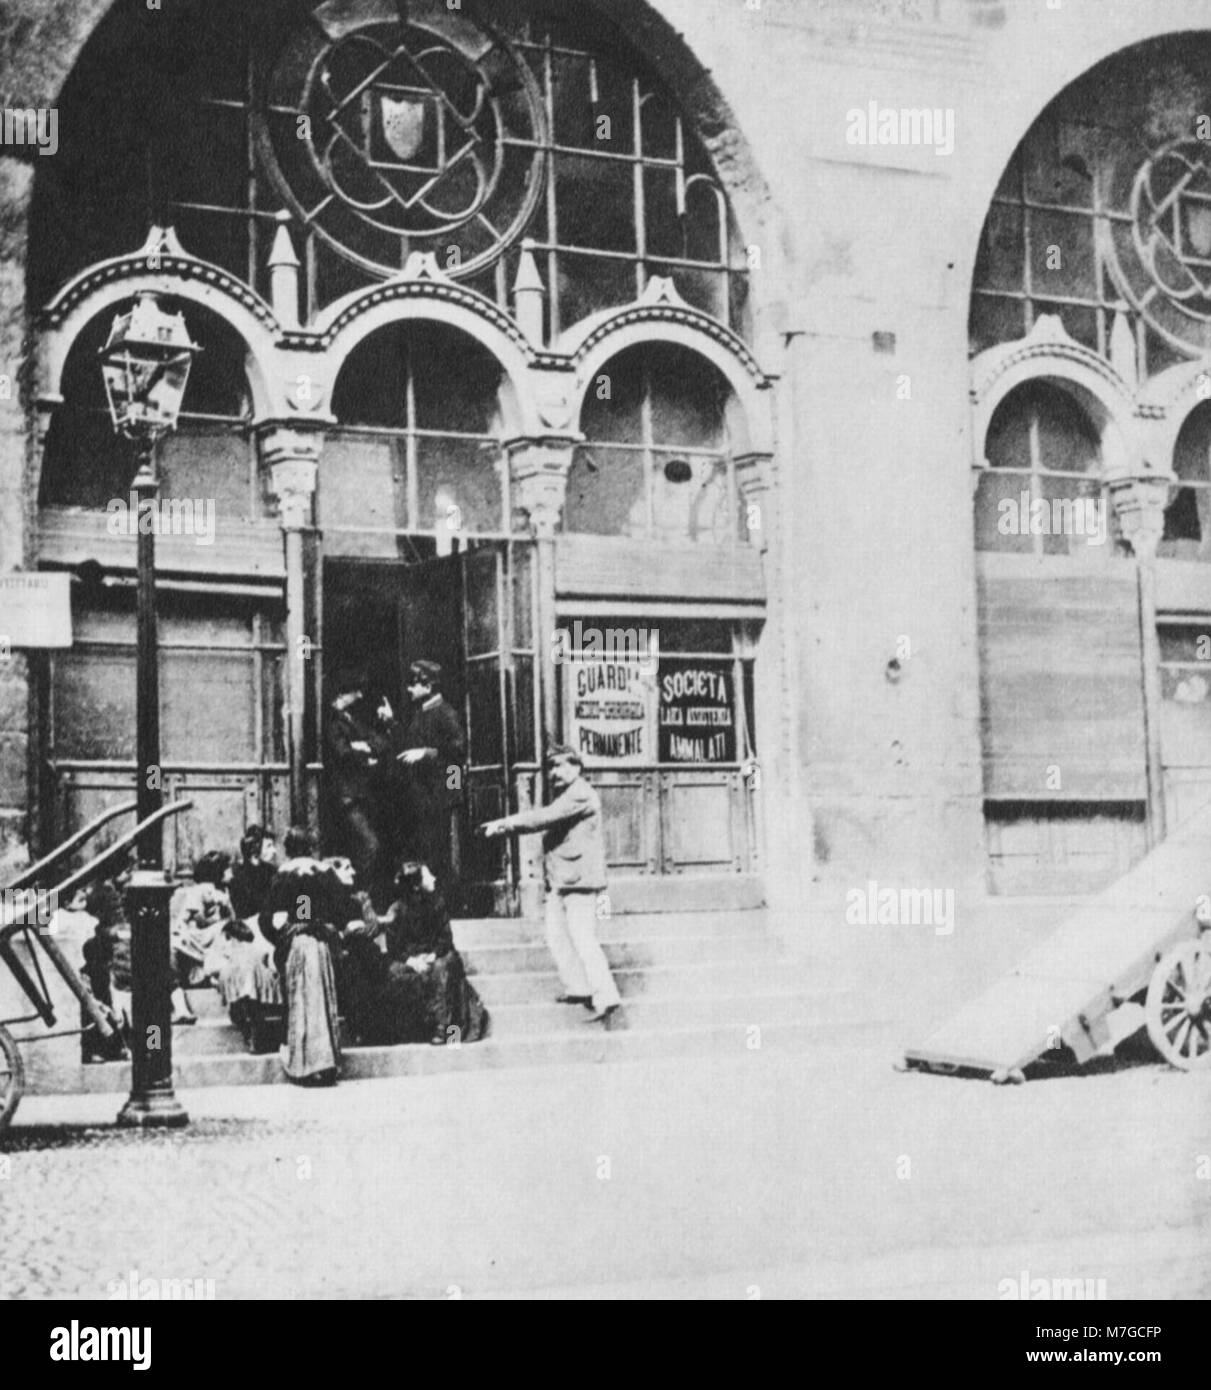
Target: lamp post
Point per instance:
(145, 366)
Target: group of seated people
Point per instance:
(296, 944)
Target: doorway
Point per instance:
(472, 612)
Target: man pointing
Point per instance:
(574, 859)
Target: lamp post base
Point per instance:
(152, 1103)
(152, 1112)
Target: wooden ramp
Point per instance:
(1095, 961)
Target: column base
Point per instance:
(153, 1112)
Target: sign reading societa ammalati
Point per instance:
(697, 712)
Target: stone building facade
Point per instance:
(854, 273)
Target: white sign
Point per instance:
(611, 711)
(35, 611)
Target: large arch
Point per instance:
(1035, 74)
(114, 282)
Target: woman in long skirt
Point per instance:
(305, 907)
(313, 1050)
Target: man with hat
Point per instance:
(429, 750)
(358, 754)
(574, 859)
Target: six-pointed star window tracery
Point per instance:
(403, 137)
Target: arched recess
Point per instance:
(662, 434)
(1168, 400)
(350, 324)
(83, 463)
(183, 277)
(1048, 354)
(750, 418)
(422, 412)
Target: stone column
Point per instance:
(538, 471)
(1139, 499)
(538, 476)
(756, 497)
(290, 455)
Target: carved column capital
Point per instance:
(1139, 500)
(755, 484)
(538, 474)
(291, 457)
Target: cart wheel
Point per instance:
(1178, 1006)
(12, 1077)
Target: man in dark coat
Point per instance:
(358, 750)
(429, 749)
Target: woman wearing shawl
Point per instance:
(303, 909)
(426, 996)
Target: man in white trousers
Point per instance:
(574, 859)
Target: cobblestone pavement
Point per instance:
(763, 1174)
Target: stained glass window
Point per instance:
(456, 132)
(1105, 210)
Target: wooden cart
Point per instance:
(26, 943)
(1135, 954)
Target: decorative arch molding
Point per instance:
(662, 316)
(163, 266)
(1047, 353)
(1166, 402)
(423, 293)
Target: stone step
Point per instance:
(206, 1004)
(472, 933)
(209, 1036)
(214, 1034)
(591, 1043)
(717, 979)
(647, 1013)
(629, 954)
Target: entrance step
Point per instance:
(473, 933)
(644, 1012)
(713, 979)
(629, 955)
(591, 1043)
(693, 984)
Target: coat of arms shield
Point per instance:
(1198, 227)
(402, 122)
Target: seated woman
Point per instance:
(248, 880)
(358, 959)
(248, 982)
(426, 996)
(303, 908)
(247, 979)
(198, 913)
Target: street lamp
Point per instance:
(145, 366)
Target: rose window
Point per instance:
(388, 138)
